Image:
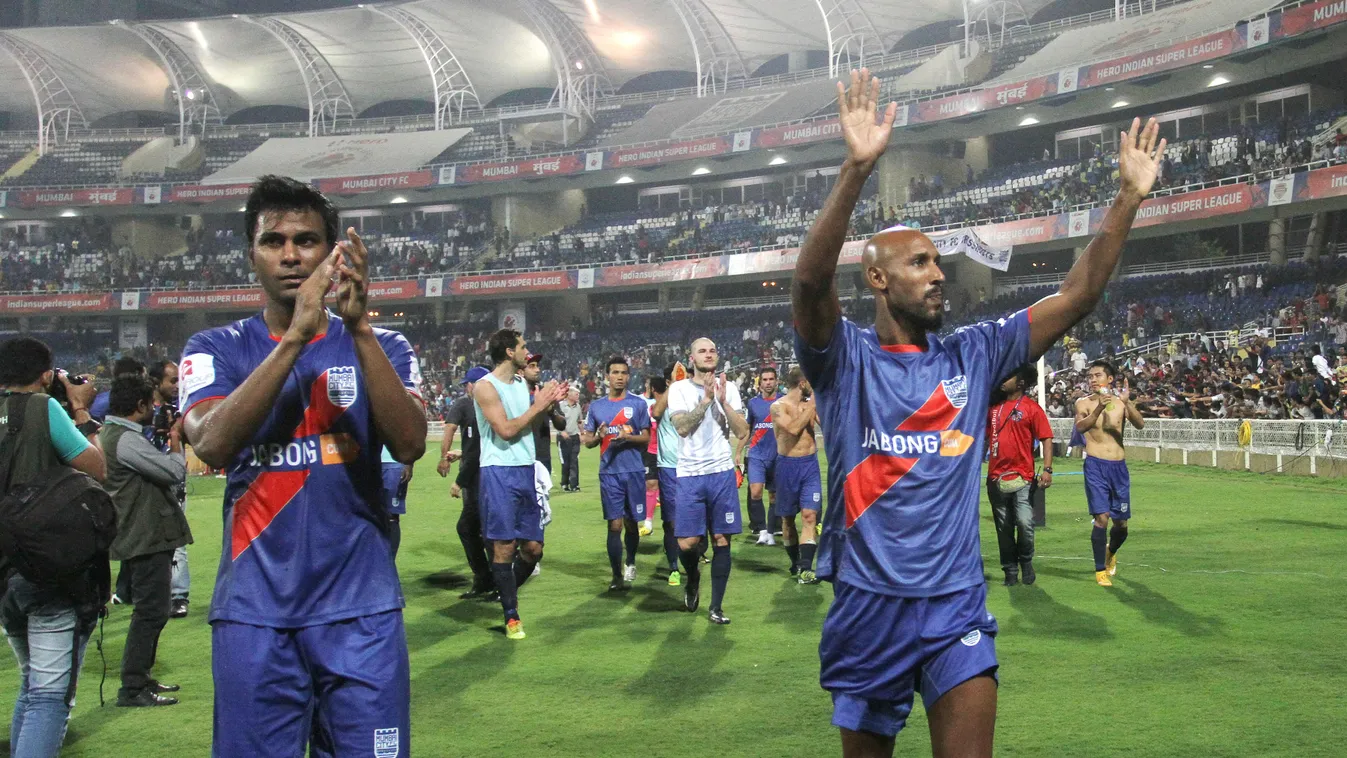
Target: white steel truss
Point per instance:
(328, 99)
(718, 59)
(851, 35)
(581, 75)
(452, 85)
(57, 109)
(996, 17)
(191, 89)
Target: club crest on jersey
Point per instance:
(956, 390)
(386, 743)
(341, 386)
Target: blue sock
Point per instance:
(503, 573)
(615, 552)
(720, 573)
(1098, 541)
(632, 539)
(670, 546)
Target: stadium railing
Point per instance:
(1212, 436)
(1012, 283)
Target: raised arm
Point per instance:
(1086, 419)
(1138, 160)
(813, 291)
(219, 429)
(494, 412)
(399, 416)
(792, 420)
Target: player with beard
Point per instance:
(799, 488)
(542, 430)
(620, 423)
(511, 514)
(667, 467)
(164, 375)
(706, 410)
(761, 447)
(901, 409)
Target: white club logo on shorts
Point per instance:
(341, 386)
(817, 497)
(1124, 508)
(972, 638)
(729, 517)
(386, 743)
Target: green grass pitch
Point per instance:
(1222, 637)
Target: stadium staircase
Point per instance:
(18, 159)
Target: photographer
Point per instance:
(48, 629)
(143, 482)
(164, 375)
(127, 365)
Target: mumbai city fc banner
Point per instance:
(488, 284)
(63, 302)
(652, 273)
(351, 185)
(557, 165)
(1200, 50)
(1306, 18)
(976, 101)
(668, 152)
(100, 196)
(800, 134)
(200, 193)
(1206, 203)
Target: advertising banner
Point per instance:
(1194, 205)
(351, 185)
(798, 134)
(486, 284)
(673, 271)
(1198, 50)
(1024, 231)
(1326, 182)
(77, 301)
(511, 315)
(100, 196)
(559, 165)
(185, 299)
(1281, 190)
(132, 333)
(152, 195)
(399, 290)
(1309, 17)
(968, 103)
(674, 151)
(200, 193)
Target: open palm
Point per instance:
(866, 140)
(1139, 156)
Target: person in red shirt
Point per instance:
(1014, 421)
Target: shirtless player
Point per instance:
(1100, 418)
(799, 488)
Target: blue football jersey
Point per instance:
(761, 433)
(903, 430)
(304, 516)
(630, 415)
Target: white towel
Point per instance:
(542, 485)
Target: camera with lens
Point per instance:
(165, 416)
(57, 391)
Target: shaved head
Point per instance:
(902, 268)
(704, 355)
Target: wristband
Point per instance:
(1047, 469)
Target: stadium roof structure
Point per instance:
(455, 54)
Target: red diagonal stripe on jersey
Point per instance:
(878, 473)
(934, 415)
(321, 413)
(254, 510)
(869, 481)
(758, 434)
(271, 491)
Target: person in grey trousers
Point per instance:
(570, 441)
